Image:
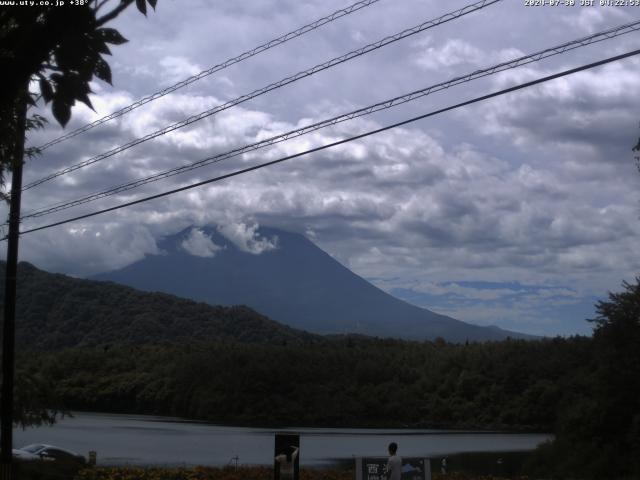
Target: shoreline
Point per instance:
(401, 429)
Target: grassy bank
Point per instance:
(50, 471)
(242, 473)
(203, 473)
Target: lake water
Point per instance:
(147, 440)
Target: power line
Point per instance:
(273, 86)
(216, 68)
(343, 141)
(523, 60)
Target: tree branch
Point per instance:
(114, 13)
(100, 4)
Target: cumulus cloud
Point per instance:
(200, 244)
(568, 111)
(591, 20)
(89, 248)
(247, 239)
(452, 52)
(455, 51)
(178, 68)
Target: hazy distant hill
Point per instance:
(296, 283)
(55, 311)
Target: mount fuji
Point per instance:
(288, 278)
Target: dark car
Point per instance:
(22, 455)
(49, 452)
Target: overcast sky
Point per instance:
(520, 211)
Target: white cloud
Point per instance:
(247, 239)
(86, 248)
(199, 244)
(591, 20)
(178, 68)
(453, 52)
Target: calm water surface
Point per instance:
(145, 440)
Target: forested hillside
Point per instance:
(57, 311)
(345, 381)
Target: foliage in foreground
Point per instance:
(242, 473)
(45, 470)
(203, 473)
(62, 49)
(598, 430)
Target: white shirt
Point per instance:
(287, 468)
(394, 467)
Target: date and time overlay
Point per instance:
(526, 3)
(581, 3)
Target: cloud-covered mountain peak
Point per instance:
(208, 241)
(288, 278)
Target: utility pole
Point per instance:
(8, 330)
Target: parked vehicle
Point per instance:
(51, 453)
(23, 455)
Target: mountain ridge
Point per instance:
(56, 311)
(289, 279)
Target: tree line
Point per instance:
(345, 381)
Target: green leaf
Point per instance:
(102, 70)
(87, 70)
(46, 89)
(84, 98)
(142, 6)
(61, 111)
(74, 87)
(81, 91)
(100, 47)
(69, 55)
(111, 35)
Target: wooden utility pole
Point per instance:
(8, 329)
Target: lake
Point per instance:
(149, 440)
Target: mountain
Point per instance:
(55, 311)
(295, 283)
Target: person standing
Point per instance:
(286, 461)
(394, 464)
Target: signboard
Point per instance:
(286, 463)
(375, 468)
